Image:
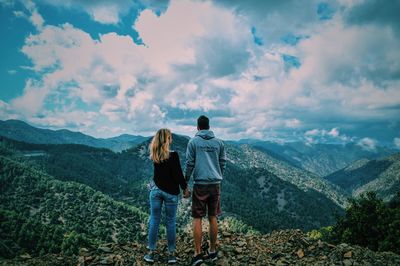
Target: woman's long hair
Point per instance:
(159, 147)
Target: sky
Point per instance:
(295, 70)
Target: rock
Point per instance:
(188, 250)
(348, 254)
(238, 250)
(347, 263)
(241, 243)
(105, 249)
(226, 234)
(106, 260)
(282, 262)
(25, 256)
(83, 250)
(300, 253)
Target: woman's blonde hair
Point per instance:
(159, 147)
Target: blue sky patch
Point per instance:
(325, 11)
(257, 40)
(290, 61)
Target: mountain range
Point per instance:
(379, 175)
(320, 159)
(20, 130)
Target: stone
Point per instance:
(300, 253)
(226, 234)
(106, 260)
(83, 250)
(25, 256)
(348, 254)
(282, 262)
(105, 249)
(347, 262)
(241, 243)
(238, 250)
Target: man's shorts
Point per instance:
(206, 199)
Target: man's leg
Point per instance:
(213, 232)
(197, 235)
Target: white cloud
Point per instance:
(31, 102)
(322, 135)
(292, 123)
(76, 119)
(200, 56)
(191, 97)
(367, 144)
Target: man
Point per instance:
(206, 159)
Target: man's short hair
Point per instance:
(203, 122)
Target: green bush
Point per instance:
(371, 223)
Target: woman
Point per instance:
(168, 177)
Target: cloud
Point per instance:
(322, 135)
(367, 144)
(31, 101)
(374, 12)
(30, 13)
(254, 67)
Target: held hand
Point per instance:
(186, 193)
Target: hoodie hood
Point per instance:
(205, 134)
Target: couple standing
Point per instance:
(205, 159)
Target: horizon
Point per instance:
(364, 146)
(296, 71)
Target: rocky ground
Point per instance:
(286, 247)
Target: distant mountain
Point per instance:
(379, 175)
(19, 130)
(41, 215)
(320, 159)
(245, 157)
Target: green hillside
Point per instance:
(40, 214)
(381, 176)
(259, 195)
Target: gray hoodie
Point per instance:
(205, 158)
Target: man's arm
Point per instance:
(190, 160)
(222, 158)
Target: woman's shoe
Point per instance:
(171, 259)
(149, 257)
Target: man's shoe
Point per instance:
(212, 256)
(197, 260)
(171, 259)
(149, 257)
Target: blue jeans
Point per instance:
(157, 198)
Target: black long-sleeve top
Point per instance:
(168, 175)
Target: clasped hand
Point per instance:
(186, 193)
